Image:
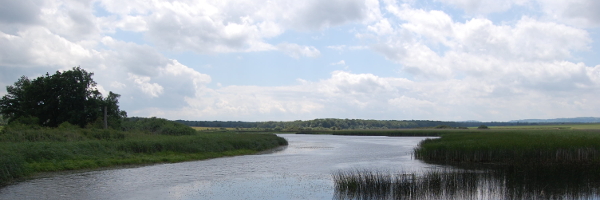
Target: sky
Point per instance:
(284, 60)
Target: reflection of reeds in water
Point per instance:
(556, 183)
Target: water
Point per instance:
(301, 171)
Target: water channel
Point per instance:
(304, 169)
(301, 171)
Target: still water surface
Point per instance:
(301, 171)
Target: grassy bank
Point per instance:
(28, 151)
(513, 147)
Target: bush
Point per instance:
(482, 127)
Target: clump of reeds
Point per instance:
(365, 184)
(514, 183)
(369, 184)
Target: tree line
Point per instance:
(345, 124)
(328, 123)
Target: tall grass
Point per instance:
(513, 147)
(551, 183)
(25, 150)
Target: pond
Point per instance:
(300, 171)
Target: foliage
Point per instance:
(68, 96)
(321, 124)
(3, 121)
(26, 129)
(482, 127)
(157, 126)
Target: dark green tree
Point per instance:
(482, 127)
(68, 96)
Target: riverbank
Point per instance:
(30, 151)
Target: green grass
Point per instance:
(48, 150)
(513, 147)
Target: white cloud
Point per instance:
(476, 46)
(341, 62)
(20, 12)
(383, 27)
(468, 68)
(231, 26)
(484, 6)
(143, 82)
(582, 13)
(345, 47)
(38, 46)
(296, 51)
(345, 94)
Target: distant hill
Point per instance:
(560, 120)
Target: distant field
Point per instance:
(552, 126)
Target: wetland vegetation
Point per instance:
(513, 147)
(448, 183)
(510, 163)
(26, 150)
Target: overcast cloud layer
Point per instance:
(295, 60)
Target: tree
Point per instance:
(482, 127)
(68, 96)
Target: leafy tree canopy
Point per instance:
(68, 96)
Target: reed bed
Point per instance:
(19, 159)
(572, 183)
(513, 147)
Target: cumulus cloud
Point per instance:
(314, 14)
(582, 13)
(484, 6)
(19, 11)
(453, 69)
(296, 51)
(143, 82)
(477, 45)
(231, 26)
(345, 94)
(341, 62)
